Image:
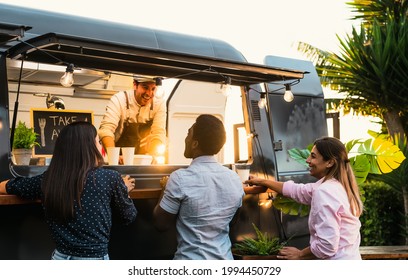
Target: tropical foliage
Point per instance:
(371, 70)
(398, 180)
(381, 220)
(263, 245)
(372, 66)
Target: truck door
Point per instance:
(295, 124)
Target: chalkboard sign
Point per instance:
(47, 123)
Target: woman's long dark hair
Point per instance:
(75, 154)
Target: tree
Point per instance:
(372, 68)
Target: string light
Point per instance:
(288, 96)
(67, 79)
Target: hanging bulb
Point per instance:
(67, 79)
(225, 89)
(262, 101)
(288, 96)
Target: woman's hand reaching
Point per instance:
(129, 182)
(252, 185)
(260, 185)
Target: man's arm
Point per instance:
(108, 141)
(158, 129)
(162, 219)
(111, 120)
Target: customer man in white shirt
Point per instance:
(201, 200)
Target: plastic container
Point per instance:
(142, 159)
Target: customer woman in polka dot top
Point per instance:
(78, 195)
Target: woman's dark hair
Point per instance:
(333, 149)
(75, 154)
(210, 133)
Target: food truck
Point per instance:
(199, 75)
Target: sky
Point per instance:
(256, 28)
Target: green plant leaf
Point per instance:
(264, 244)
(299, 155)
(289, 206)
(361, 167)
(383, 155)
(24, 137)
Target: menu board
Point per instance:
(47, 123)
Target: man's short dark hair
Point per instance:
(210, 133)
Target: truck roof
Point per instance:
(55, 38)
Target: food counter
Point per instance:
(25, 235)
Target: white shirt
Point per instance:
(206, 196)
(334, 230)
(116, 114)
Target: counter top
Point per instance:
(147, 180)
(384, 252)
(9, 199)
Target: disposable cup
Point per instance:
(243, 171)
(113, 155)
(128, 153)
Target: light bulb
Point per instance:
(67, 79)
(262, 101)
(225, 89)
(288, 96)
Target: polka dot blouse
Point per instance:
(88, 234)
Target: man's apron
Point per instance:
(134, 134)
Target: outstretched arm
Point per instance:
(261, 184)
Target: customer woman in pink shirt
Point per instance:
(334, 199)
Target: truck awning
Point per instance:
(10, 32)
(62, 49)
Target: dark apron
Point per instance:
(133, 133)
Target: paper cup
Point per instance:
(243, 171)
(113, 155)
(128, 153)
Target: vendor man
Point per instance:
(134, 118)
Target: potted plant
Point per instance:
(263, 247)
(24, 140)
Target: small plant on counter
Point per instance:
(24, 137)
(263, 245)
